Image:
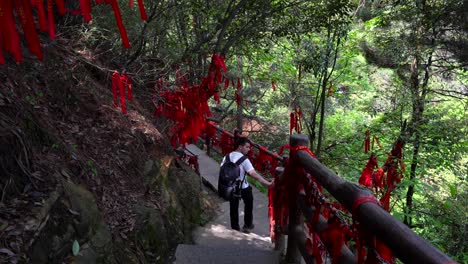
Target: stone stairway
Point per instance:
(216, 242)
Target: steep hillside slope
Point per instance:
(75, 171)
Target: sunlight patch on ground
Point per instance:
(222, 231)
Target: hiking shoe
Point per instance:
(248, 229)
(236, 228)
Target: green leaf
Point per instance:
(75, 248)
(453, 190)
(448, 205)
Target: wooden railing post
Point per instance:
(280, 238)
(293, 254)
(296, 220)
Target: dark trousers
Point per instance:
(247, 196)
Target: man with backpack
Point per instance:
(241, 189)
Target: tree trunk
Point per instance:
(322, 116)
(419, 91)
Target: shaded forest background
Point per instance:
(395, 68)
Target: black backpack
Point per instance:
(229, 183)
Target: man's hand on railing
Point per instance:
(259, 178)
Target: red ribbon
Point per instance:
(2, 59)
(366, 179)
(25, 16)
(9, 34)
(142, 10)
(295, 121)
(188, 106)
(39, 5)
(363, 199)
(50, 13)
(61, 7)
(86, 9)
(334, 236)
(367, 142)
(127, 82)
(118, 19)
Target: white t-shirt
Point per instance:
(245, 166)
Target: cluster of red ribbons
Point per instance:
(338, 232)
(120, 84)
(384, 180)
(187, 106)
(10, 38)
(226, 143)
(264, 162)
(367, 142)
(295, 121)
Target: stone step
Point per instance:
(194, 254)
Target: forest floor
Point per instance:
(59, 124)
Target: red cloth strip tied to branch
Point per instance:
(61, 6)
(187, 106)
(25, 16)
(120, 84)
(263, 161)
(227, 144)
(51, 21)
(118, 19)
(8, 33)
(366, 175)
(295, 121)
(142, 10)
(277, 211)
(367, 142)
(85, 6)
(39, 5)
(127, 82)
(9, 36)
(383, 180)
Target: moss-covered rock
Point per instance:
(83, 202)
(74, 215)
(151, 233)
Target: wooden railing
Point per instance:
(404, 243)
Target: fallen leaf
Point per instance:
(75, 248)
